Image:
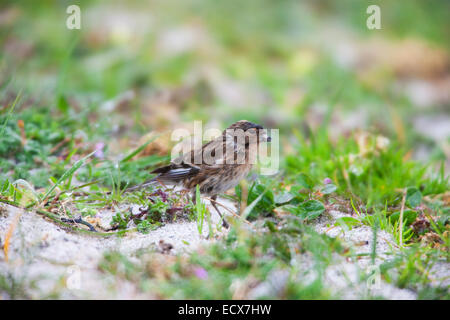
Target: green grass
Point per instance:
(372, 174)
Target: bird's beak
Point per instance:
(264, 137)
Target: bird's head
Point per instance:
(249, 129)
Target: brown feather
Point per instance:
(214, 177)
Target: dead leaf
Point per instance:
(9, 234)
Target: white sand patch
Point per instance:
(41, 250)
(360, 237)
(67, 263)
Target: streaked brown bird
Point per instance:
(217, 166)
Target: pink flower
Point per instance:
(99, 150)
(327, 181)
(201, 273)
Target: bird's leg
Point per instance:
(161, 183)
(213, 202)
(194, 198)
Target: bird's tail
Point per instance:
(169, 174)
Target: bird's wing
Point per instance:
(176, 172)
(212, 155)
(221, 151)
(231, 151)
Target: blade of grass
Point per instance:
(400, 225)
(373, 253)
(61, 102)
(199, 210)
(67, 174)
(138, 150)
(10, 112)
(252, 205)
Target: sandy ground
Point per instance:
(56, 261)
(41, 250)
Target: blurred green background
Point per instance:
(142, 66)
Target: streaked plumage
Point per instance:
(214, 177)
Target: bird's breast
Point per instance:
(226, 179)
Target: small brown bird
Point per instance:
(218, 165)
